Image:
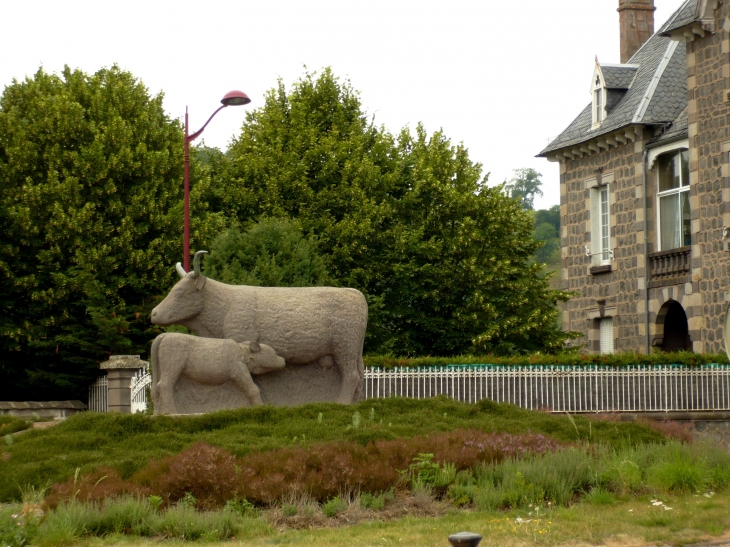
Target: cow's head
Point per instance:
(185, 300)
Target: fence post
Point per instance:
(120, 371)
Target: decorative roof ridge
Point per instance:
(618, 65)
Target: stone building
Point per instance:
(645, 187)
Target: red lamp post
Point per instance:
(232, 98)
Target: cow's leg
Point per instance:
(168, 378)
(242, 378)
(351, 377)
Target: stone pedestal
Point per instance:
(120, 371)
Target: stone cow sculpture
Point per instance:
(207, 361)
(303, 324)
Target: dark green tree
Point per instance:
(410, 221)
(550, 216)
(524, 186)
(271, 253)
(90, 215)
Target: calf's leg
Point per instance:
(242, 378)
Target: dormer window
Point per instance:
(599, 101)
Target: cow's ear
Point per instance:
(254, 347)
(200, 282)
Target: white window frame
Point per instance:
(600, 204)
(661, 194)
(598, 89)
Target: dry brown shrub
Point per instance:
(104, 482)
(324, 471)
(320, 471)
(209, 473)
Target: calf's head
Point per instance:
(260, 358)
(185, 300)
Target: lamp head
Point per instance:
(235, 98)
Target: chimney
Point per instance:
(636, 19)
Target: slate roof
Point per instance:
(618, 76)
(685, 15)
(678, 130)
(657, 95)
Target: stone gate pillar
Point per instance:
(120, 371)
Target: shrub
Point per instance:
(100, 484)
(681, 471)
(555, 477)
(241, 507)
(127, 443)
(334, 507)
(14, 530)
(185, 523)
(376, 502)
(205, 473)
(568, 358)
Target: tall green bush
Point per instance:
(409, 220)
(90, 212)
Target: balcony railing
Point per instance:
(668, 267)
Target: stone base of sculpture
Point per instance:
(291, 386)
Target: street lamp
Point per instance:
(232, 98)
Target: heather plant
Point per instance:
(122, 446)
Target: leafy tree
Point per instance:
(271, 253)
(90, 212)
(524, 186)
(410, 221)
(546, 233)
(550, 216)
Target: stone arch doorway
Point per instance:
(672, 320)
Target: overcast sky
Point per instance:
(502, 77)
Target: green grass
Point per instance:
(12, 424)
(631, 521)
(127, 442)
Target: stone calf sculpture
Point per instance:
(207, 361)
(303, 324)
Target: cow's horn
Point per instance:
(196, 262)
(179, 269)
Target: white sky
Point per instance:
(500, 76)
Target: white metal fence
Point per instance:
(98, 392)
(595, 388)
(98, 401)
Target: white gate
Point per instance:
(139, 392)
(99, 402)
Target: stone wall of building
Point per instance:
(708, 74)
(620, 292)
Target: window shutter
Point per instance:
(606, 331)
